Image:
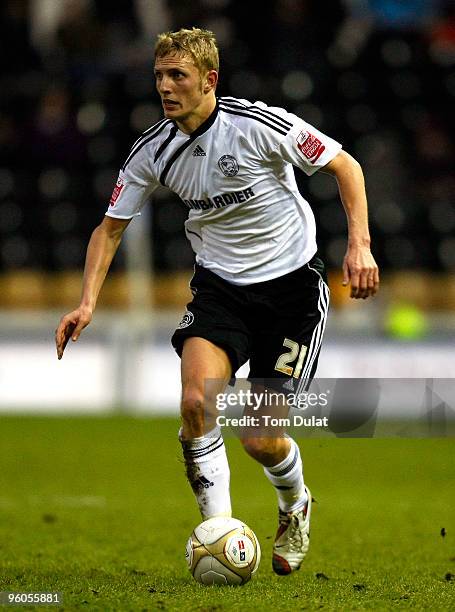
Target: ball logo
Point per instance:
(228, 165)
(239, 550)
(223, 550)
(242, 550)
(186, 321)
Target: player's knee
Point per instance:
(192, 411)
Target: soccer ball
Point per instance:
(223, 550)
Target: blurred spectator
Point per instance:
(81, 39)
(52, 138)
(442, 35)
(302, 31)
(402, 14)
(8, 141)
(76, 89)
(17, 54)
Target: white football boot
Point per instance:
(292, 539)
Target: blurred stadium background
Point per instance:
(77, 88)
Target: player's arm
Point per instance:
(359, 266)
(101, 249)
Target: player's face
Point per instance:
(181, 88)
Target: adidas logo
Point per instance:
(198, 152)
(202, 481)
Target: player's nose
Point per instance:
(164, 85)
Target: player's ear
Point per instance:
(211, 79)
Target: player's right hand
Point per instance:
(71, 326)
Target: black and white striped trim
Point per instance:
(176, 154)
(197, 453)
(198, 132)
(264, 112)
(288, 468)
(165, 143)
(318, 332)
(149, 130)
(146, 137)
(246, 113)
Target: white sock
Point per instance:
(207, 469)
(287, 478)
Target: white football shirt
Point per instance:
(247, 221)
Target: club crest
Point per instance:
(186, 321)
(228, 165)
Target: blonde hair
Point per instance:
(199, 44)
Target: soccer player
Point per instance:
(259, 288)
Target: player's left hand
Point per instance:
(360, 271)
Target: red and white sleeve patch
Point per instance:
(310, 146)
(117, 191)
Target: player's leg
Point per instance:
(277, 452)
(213, 343)
(287, 352)
(203, 447)
(280, 457)
(205, 371)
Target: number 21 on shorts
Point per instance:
(296, 352)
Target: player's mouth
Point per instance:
(169, 104)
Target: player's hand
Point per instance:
(71, 326)
(360, 271)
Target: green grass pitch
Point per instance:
(98, 509)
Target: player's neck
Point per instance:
(191, 123)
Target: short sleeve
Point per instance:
(135, 183)
(296, 141)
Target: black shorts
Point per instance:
(276, 324)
